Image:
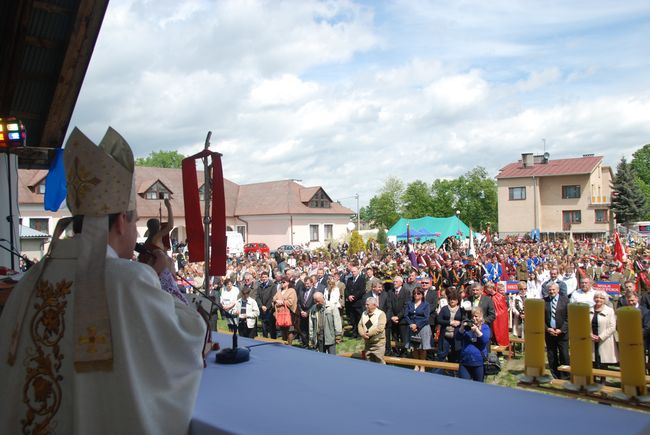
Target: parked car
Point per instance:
(262, 248)
(291, 249)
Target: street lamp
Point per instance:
(458, 223)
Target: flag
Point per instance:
(472, 251)
(619, 249)
(55, 185)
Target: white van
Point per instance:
(234, 244)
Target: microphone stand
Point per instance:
(233, 355)
(28, 263)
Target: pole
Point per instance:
(358, 217)
(207, 195)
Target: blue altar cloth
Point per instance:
(284, 390)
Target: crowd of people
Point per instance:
(433, 303)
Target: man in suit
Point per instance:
(484, 302)
(265, 292)
(555, 273)
(305, 302)
(249, 284)
(401, 298)
(354, 291)
(321, 280)
(384, 303)
(557, 330)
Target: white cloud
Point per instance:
(343, 94)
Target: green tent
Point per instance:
(430, 228)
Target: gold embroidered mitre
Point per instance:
(100, 182)
(100, 178)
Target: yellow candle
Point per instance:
(580, 344)
(630, 345)
(534, 336)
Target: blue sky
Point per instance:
(344, 94)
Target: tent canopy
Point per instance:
(430, 228)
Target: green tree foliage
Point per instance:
(641, 165)
(384, 209)
(161, 159)
(417, 200)
(356, 243)
(628, 201)
(381, 236)
(474, 194)
(477, 198)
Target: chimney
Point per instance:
(527, 159)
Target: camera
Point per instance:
(467, 324)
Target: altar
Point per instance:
(287, 390)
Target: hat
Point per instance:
(100, 182)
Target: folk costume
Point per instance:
(89, 342)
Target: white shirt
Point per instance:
(580, 296)
(534, 290)
(571, 283)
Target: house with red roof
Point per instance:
(274, 212)
(555, 196)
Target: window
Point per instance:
(40, 224)
(157, 191)
(241, 229)
(320, 200)
(570, 192)
(517, 193)
(202, 193)
(601, 216)
(570, 217)
(329, 231)
(40, 188)
(313, 233)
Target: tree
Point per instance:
(356, 243)
(161, 159)
(444, 197)
(641, 165)
(628, 201)
(417, 200)
(477, 198)
(384, 209)
(382, 239)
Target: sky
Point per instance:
(344, 94)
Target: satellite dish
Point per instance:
(546, 156)
(351, 226)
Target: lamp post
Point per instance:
(458, 224)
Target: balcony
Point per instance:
(600, 200)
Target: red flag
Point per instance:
(193, 220)
(619, 250)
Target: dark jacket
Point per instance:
(561, 315)
(357, 289)
(444, 319)
(400, 303)
(432, 299)
(419, 315)
(302, 305)
(486, 304)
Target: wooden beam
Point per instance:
(42, 42)
(88, 21)
(51, 8)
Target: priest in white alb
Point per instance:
(89, 342)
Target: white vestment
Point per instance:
(157, 363)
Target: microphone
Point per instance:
(234, 354)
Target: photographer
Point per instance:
(474, 336)
(417, 316)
